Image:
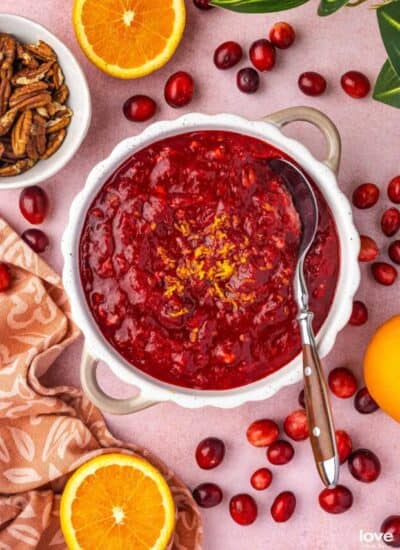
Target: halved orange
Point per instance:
(117, 501)
(129, 38)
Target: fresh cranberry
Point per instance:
(263, 55)
(295, 425)
(342, 382)
(355, 84)
(394, 190)
(261, 479)
(248, 80)
(391, 528)
(302, 399)
(336, 500)
(34, 204)
(139, 108)
(5, 277)
(366, 195)
(207, 495)
(262, 433)
(364, 465)
(280, 452)
(369, 250)
(36, 239)
(359, 315)
(243, 509)
(283, 506)
(390, 221)
(364, 403)
(394, 252)
(227, 55)
(179, 89)
(203, 4)
(210, 453)
(384, 273)
(344, 445)
(311, 83)
(282, 35)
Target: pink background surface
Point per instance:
(370, 132)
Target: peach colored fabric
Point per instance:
(45, 433)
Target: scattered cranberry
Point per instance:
(248, 80)
(36, 239)
(302, 399)
(369, 250)
(203, 4)
(210, 453)
(336, 500)
(394, 252)
(366, 195)
(384, 273)
(263, 55)
(364, 403)
(207, 495)
(243, 509)
(364, 465)
(280, 452)
(227, 55)
(282, 35)
(359, 315)
(34, 204)
(261, 479)
(311, 83)
(139, 108)
(262, 433)
(391, 528)
(342, 382)
(283, 506)
(179, 89)
(394, 190)
(344, 445)
(355, 84)
(295, 425)
(390, 221)
(5, 277)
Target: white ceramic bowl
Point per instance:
(79, 101)
(153, 390)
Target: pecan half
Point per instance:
(5, 92)
(38, 137)
(21, 132)
(7, 120)
(42, 51)
(16, 168)
(26, 57)
(25, 92)
(60, 122)
(61, 95)
(54, 143)
(29, 76)
(34, 101)
(8, 47)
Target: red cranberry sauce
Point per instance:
(187, 258)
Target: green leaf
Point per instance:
(327, 7)
(389, 24)
(257, 6)
(387, 86)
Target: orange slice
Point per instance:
(117, 501)
(129, 38)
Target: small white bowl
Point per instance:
(79, 101)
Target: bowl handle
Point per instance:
(103, 401)
(318, 119)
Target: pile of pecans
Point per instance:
(33, 114)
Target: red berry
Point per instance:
(280, 452)
(227, 55)
(203, 4)
(364, 465)
(342, 382)
(207, 495)
(243, 509)
(34, 204)
(5, 277)
(302, 399)
(179, 89)
(283, 506)
(262, 433)
(390, 221)
(344, 445)
(295, 425)
(369, 250)
(311, 83)
(139, 108)
(394, 190)
(262, 55)
(384, 273)
(210, 453)
(394, 252)
(391, 531)
(355, 84)
(282, 35)
(261, 479)
(336, 500)
(359, 315)
(364, 403)
(366, 195)
(248, 80)
(36, 239)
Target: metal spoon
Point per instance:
(319, 414)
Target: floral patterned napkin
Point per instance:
(46, 433)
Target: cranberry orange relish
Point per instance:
(187, 259)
